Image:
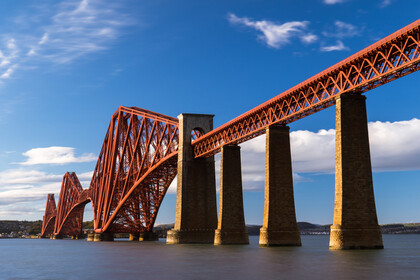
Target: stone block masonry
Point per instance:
(279, 225)
(231, 227)
(355, 222)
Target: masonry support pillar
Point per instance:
(355, 221)
(196, 212)
(148, 236)
(90, 237)
(279, 225)
(104, 236)
(231, 227)
(134, 236)
(58, 236)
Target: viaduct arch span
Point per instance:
(143, 151)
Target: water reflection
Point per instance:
(78, 259)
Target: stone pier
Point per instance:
(134, 237)
(104, 236)
(355, 222)
(279, 225)
(196, 210)
(231, 227)
(148, 236)
(59, 236)
(90, 237)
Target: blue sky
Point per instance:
(66, 66)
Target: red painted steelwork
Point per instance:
(390, 58)
(136, 165)
(49, 216)
(138, 159)
(70, 206)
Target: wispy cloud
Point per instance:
(342, 29)
(332, 2)
(55, 155)
(339, 46)
(276, 35)
(385, 3)
(23, 176)
(71, 30)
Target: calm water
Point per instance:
(78, 259)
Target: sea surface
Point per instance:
(79, 259)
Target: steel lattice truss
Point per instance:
(136, 165)
(49, 216)
(70, 206)
(390, 58)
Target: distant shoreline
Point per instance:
(32, 229)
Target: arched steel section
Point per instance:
(138, 142)
(49, 216)
(70, 209)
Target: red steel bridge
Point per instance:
(138, 159)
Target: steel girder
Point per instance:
(389, 59)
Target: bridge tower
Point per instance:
(196, 213)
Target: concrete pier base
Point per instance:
(134, 236)
(196, 212)
(355, 222)
(231, 227)
(279, 225)
(76, 237)
(279, 238)
(148, 236)
(105, 236)
(90, 237)
(190, 236)
(56, 237)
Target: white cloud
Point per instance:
(44, 39)
(385, 3)
(342, 29)
(394, 147)
(79, 28)
(27, 193)
(19, 209)
(276, 35)
(8, 55)
(332, 2)
(337, 47)
(309, 38)
(74, 28)
(7, 73)
(55, 155)
(23, 176)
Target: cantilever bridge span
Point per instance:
(143, 151)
